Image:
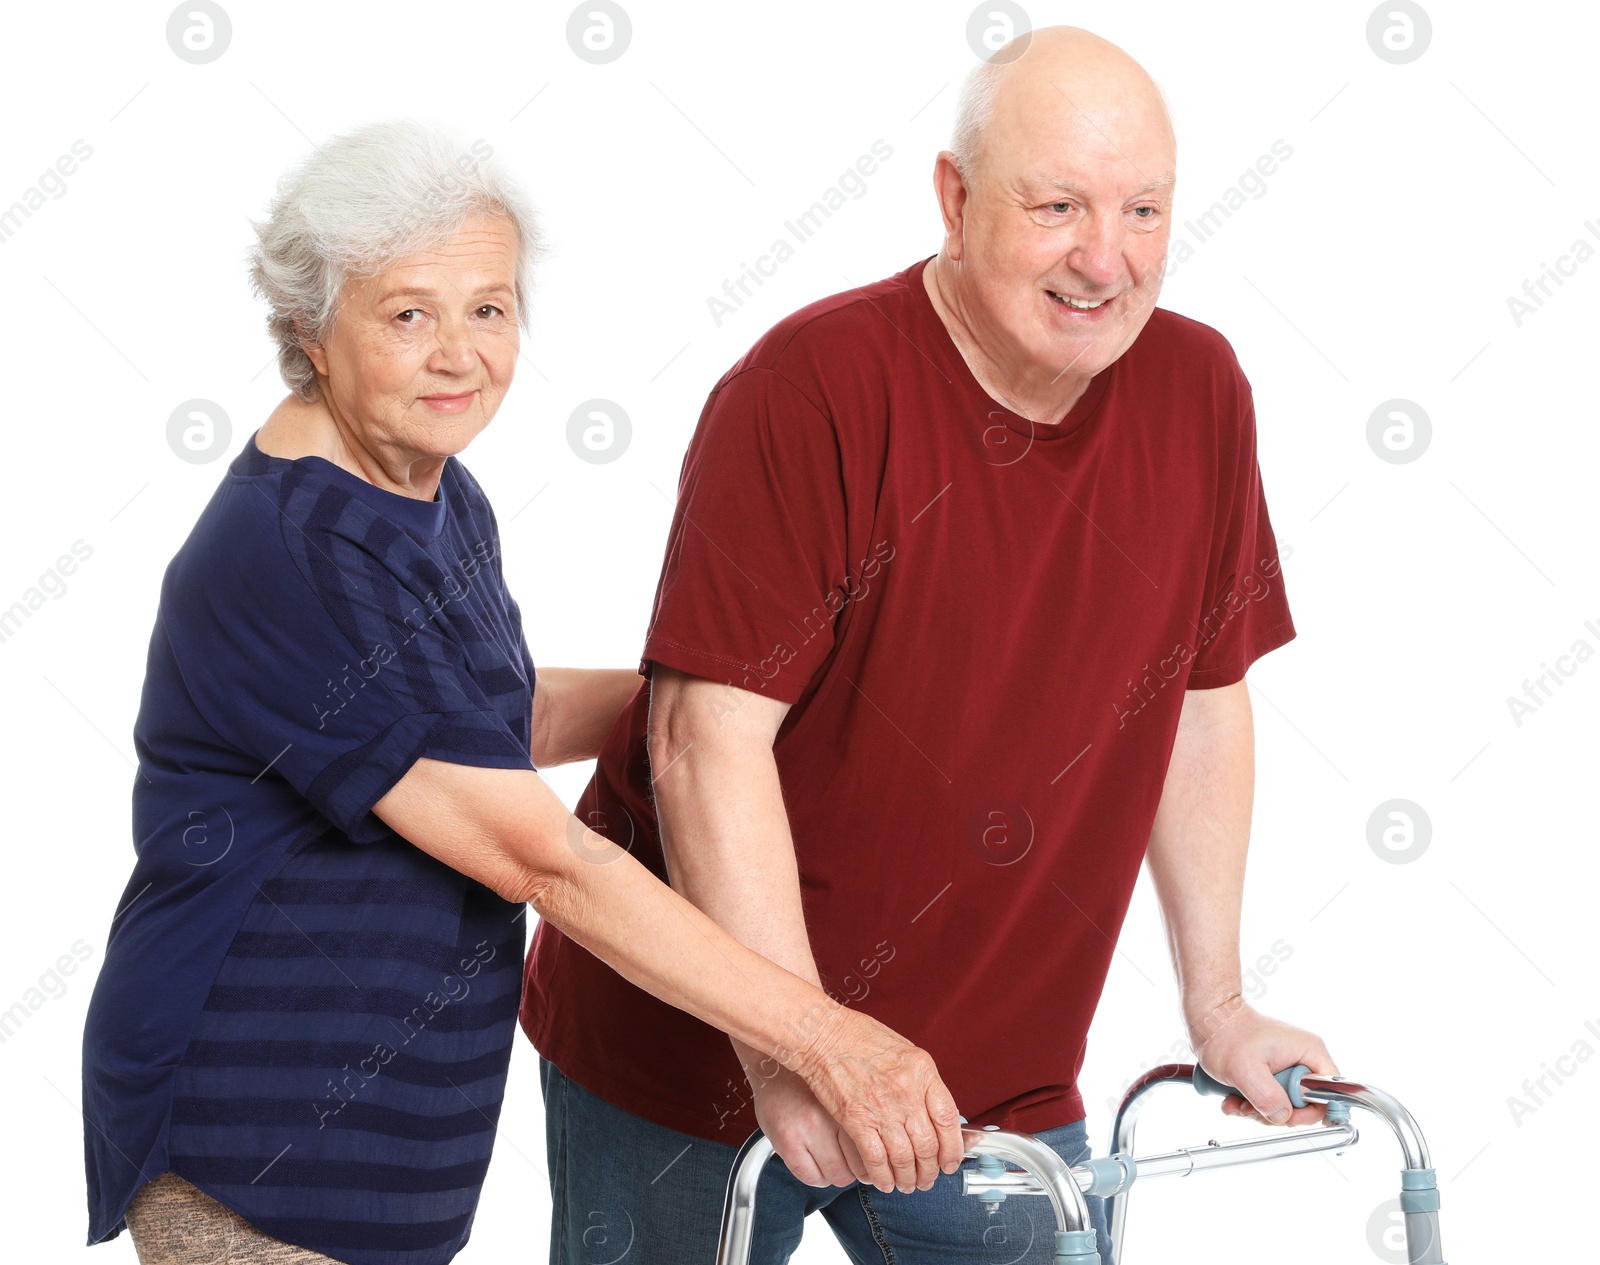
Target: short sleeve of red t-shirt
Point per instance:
(1245, 612)
(757, 542)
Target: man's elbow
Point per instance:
(677, 723)
(721, 721)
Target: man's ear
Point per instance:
(317, 354)
(951, 191)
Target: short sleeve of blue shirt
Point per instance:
(299, 1012)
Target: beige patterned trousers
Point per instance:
(172, 1223)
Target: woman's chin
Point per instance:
(446, 435)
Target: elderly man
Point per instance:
(965, 574)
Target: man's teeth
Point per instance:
(1083, 305)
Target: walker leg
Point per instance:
(1419, 1201)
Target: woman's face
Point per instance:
(420, 355)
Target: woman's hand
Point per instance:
(899, 1124)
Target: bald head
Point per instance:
(1057, 204)
(1058, 81)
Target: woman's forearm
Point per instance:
(660, 942)
(507, 829)
(574, 709)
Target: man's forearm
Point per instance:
(724, 829)
(1197, 851)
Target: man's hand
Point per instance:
(1242, 1047)
(808, 1139)
(865, 1105)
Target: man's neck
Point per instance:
(1040, 395)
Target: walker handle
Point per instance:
(1289, 1078)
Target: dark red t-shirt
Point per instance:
(985, 627)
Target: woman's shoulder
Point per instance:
(274, 524)
(288, 514)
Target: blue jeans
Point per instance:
(626, 1190)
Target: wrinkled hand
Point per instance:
(1244, 1048)
(867, 1105)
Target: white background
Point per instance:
(1377, 265)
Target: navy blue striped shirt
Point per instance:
(299, 1012)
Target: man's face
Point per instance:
(1067, 211)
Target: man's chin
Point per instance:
(1083, 356)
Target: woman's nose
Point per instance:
(454, 347)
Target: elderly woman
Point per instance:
(297, 1047)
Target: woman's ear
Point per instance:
(315, 352)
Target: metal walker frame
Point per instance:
(1112, 1177)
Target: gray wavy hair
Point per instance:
(357, 205)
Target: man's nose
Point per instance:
(1096, 255)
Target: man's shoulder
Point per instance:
(1178, 361)
(1172, 334)
(852, 325)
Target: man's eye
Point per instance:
(1151, 209)
(405, 318)
(1061, 208)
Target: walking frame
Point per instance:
(1112, 1177)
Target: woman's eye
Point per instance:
(406, 317)
(489, 309)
